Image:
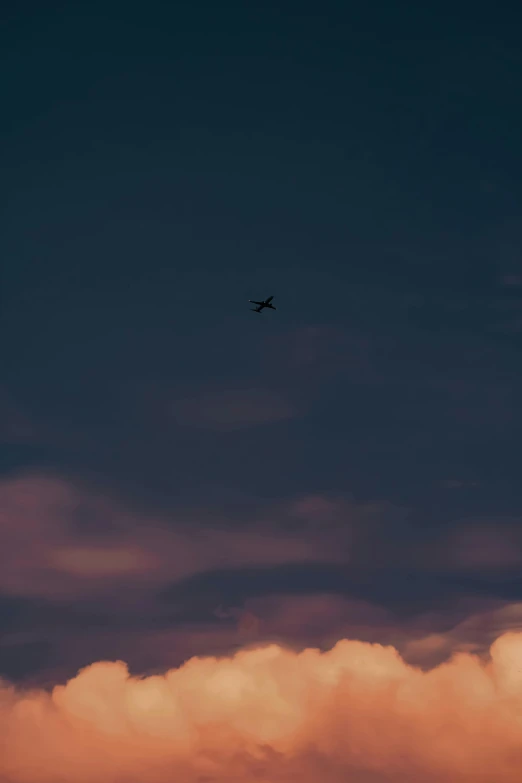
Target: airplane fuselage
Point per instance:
(262, 305)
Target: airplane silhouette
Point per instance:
(266, 303)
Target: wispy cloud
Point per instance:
(486, 544)
(232, 409)
(15, 424)
(58, 539)
(512, 280)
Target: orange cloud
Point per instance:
(357, 714)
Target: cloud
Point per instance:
(43, 551)
(320, 346)
(316, 509)
(474, 633)
(426, 639)
(100, 561)
(459, 484)
(512, 280)
(88, 579)
(307, 359)
(59, 540)
(486, 544)
(355, 713)
(232, 409)
(15, 425)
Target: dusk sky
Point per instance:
(183, 478)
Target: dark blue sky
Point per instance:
(164, 163)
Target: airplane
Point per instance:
(261, 305)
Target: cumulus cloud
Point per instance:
(357, 713)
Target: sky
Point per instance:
(228, 541)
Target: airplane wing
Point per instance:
(253, 301)
(269, 299)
